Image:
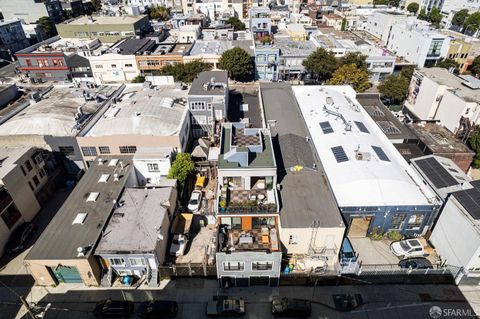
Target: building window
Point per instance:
(98, 66)
(128, 65)
(104, 149)
(293, 240)
(262, 265)
(41, 173)
(117, 261)
(113, 65)
(23, 171)
(11, 215)
(89, 151)
(415, 221)
(233, 265)
(232, 222)
(31, 186)
(28, 165)
(136, 261)
(197, 106)
(153, 167)
(200, 120)
(66, 150)
(28, 62)
(397, 220)
(126, 272)
(128, 149)
(36, 180)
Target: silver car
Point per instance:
(407, 248)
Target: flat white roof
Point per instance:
(159, 112)
(363, 167)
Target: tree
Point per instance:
(184, 72)
(460, 17)
(413, 7)
(356, 58)
(236, 24)
(321, 64)
(407, 72)
(47, 26)
(472, 23)
(238, 63)
(349, 74)
(448, 64)
(182, 167)
(138, 79)
(344, 24)
(394, 89)
(474, 143)
(475, 67)
(158, 13)
(435, 17)
(422, 15)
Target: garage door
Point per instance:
(68, 275)
(259, 281)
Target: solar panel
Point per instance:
(339, 154)
(470, 200)
(362, 127)
(436, 173)
(381, 154)
(326, 127)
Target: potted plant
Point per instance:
(223, 206)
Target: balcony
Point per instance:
(254, 201)
(263, 239)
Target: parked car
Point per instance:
(415, 263)
(285, 307)
(177, 248)
(407, 248)
(113, 309)
(224, 306)
(195, 201)
(19, 238)
(347, 302)
(158, 309)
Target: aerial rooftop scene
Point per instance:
(199, 159)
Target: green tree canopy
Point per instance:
(475, 67)
(472, 23)
(474, 143)
(321, 64)
(138, 79)
(158, 13)
(238, 63)
(182, 167)
(394, 89)
(407, 72)
(435, 17)
(47, 26)
(460, 17)
(356, 58)
(236, 24)
(350, 74)
(185, 72)
(448, 64)
(413, 7)
(422, 15)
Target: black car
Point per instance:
(19, 238)
(113, 309)
(415, 263)
(347, 302)
(157, 309)
(285, 307)
(224, 306)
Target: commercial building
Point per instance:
(438, 95)
(418, 43)
(208, 51)
(135, 239)
(375, 188)
(58, 59)
(249, 250)
(161, 54)
(208, 102)
(24, 175)
(380, 23)
(12, 37)
(139, 117)
(105, 28)
(30, 10)
(311, 226)
(64, 253)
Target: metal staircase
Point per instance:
(106, 277)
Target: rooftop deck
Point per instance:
(254, 239)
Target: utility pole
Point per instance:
(27, 306)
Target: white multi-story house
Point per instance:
(437, 95)
(417, 43)
(249, 251)
(380, 23)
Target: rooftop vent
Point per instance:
(103, 178)
(113, 162)
(79, 219)
(92, 197)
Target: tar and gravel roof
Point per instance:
(62, 238)
(305, 195)
(158, 112)
(135, 225)
(197, 87)
(370, 180)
